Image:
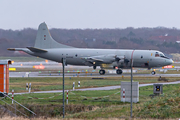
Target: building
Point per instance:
(4, 77)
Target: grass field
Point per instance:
(95, 104)
(55, 83)
(104, 104)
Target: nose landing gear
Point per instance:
(94, 67)
(153, 72)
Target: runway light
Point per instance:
(68, 71)
(168, 66)
(21, 64)
(12, 62)
(39, 66)
(46, 61)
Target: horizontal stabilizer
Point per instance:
(11, 49)
(33, 49)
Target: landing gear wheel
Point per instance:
(101, 72)
(153, 72)
(94, 67)
(119, 71)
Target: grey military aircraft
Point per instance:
(46, 47)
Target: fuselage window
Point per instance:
(157, 54)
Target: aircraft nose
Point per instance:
(170, 62)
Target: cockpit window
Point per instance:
(160, 55)
(156, 54)
(165, 57)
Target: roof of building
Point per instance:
(5, 62)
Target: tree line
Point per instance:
(159, 38)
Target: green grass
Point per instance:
(105, 104)
(95, 104)
(75, 97)
(55, 83)
(165, 106)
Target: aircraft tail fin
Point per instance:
(44, 39)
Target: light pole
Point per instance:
(64, 62)
(131, 79)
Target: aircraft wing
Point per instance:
(103, 59)
(92, 59)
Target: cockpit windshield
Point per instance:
(160, 55)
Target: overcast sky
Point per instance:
(19, 14)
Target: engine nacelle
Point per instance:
(122, 63)
(109, 66)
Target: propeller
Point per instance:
(126, 61)
(117, 58)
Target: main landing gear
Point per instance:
(119, 71)
(102, 72)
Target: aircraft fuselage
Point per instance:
(141, 58)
